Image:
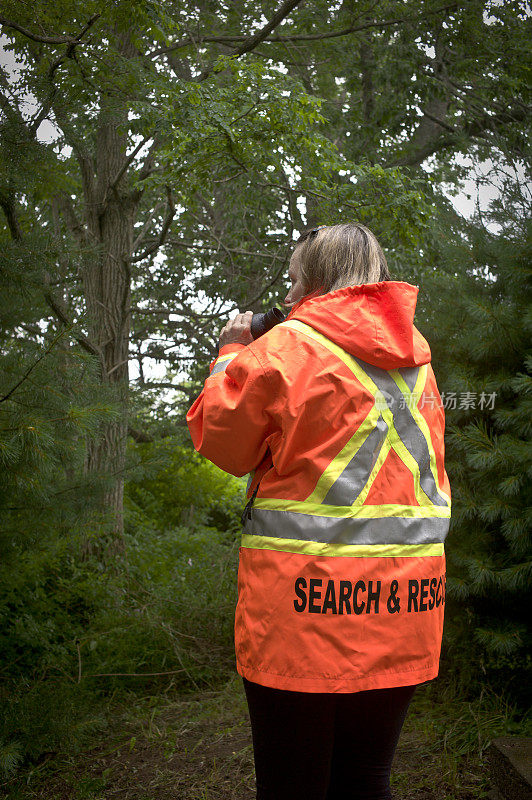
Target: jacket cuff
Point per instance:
(232, 347)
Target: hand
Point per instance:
(237, 330)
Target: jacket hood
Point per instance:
(373, 321)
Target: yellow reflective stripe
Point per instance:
(333, 347)
(411, 464)
(345, 550)
(400, 448)
(385, 449)
(227, 357)
(339, 462)
(413, 399)
(221, 363)
(420, 383)
(320, 510)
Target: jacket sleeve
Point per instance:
(231, 421)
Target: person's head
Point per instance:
(331, 257)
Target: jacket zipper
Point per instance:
(246, 514)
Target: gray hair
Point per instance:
(335, 256)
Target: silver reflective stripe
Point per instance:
(406, 427)
(250, 479)
(409, 375)
(347, 530)
(356, 473)
(222, 363)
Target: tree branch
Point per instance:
(165, 385)
(145, 228)
(251, 42)
(62, 315)
(139, 436)
(310, 37)
(35, 37)
(73, 223)
(147, 167)
(121, 172)
(476, 129)
(164, 230)
(439, 121)
(206, 246)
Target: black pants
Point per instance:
(325, 746)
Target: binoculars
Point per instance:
(260, 323)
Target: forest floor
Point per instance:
(198, 747)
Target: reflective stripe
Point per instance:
(407, 432)
(356, 474)
(222, 362)
(342, 550)
(381, 529)
(385, 449)
(347, 474)
(407, 427)
(409, 375)
(355, 447)
(413, 399)
(366, 511)
(250, 480)
(355, 365)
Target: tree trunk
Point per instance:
(110, 220)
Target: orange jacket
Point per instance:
(337, 416)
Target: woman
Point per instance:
(337, 416)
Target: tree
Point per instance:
(482, 341)
(191, 144)
(152, 142)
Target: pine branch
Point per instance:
(8, 205)
(54, 66)
(32, 367)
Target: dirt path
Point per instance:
(199, 748)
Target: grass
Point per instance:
(198, 747)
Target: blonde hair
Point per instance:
(335, 256)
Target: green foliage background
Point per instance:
(378, 124)
(73, 632)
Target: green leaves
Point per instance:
(306, 128)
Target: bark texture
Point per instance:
(110, 215)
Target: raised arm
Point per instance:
(232, 418)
